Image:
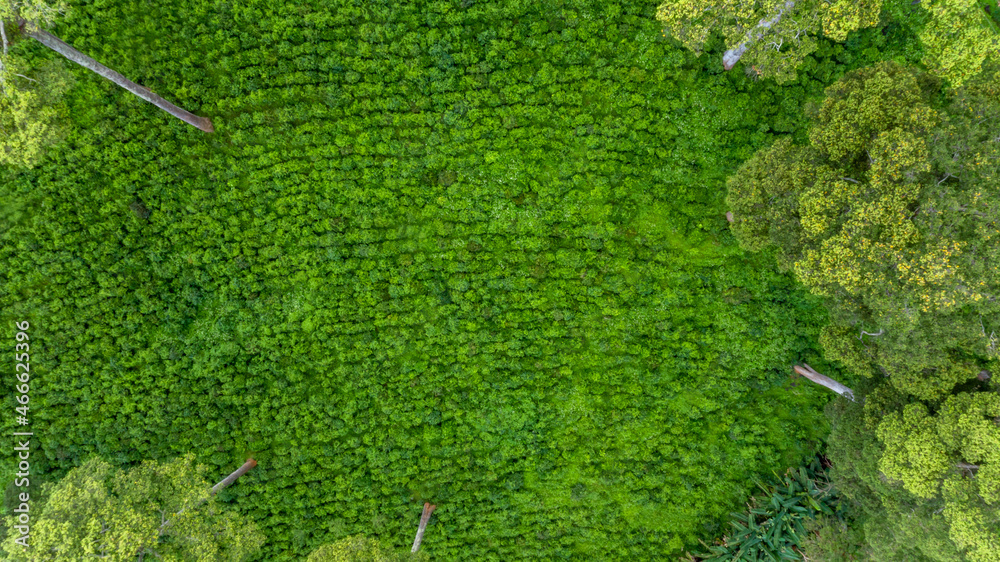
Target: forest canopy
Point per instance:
(885, 213)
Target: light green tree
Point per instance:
(30, 106)
(31, 110)
(163, 511)
(958, 39)
(29, 14)
(29, 101)
(774, 36)
(358, 548)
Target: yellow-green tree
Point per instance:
(774, 36)
(957, 39)
(891, 212)
(30, 102)
(358, 548)
(31, 109)
(30, 105)
(927, 475)
(163, 511)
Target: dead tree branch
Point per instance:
(864, 333)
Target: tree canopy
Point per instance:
(890, 212)
(926, 475)
(31, 13)
(31, 108)
(958, 39)
(358, 548)
(469, 254)
(157, 510)
(775, 36)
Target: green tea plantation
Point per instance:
(464, 252)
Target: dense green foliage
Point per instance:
(465, 252)
(774, 528)
(833, 539)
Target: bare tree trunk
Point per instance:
(64, 49)
(232, 477)
(732, 56)
(826, 381)
(424, 518)
(3, 37)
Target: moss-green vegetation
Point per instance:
(463, 252)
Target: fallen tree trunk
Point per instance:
(232, 477)
(66, 50)
(424, 518)
(826, 381)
